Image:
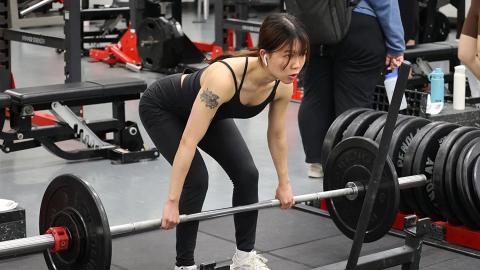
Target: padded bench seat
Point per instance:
(4, 100)
(433, 51)
(79, 93)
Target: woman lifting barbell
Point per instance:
(181, 112)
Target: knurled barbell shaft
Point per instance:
(40, 243)
(154, 224)
(25, 246)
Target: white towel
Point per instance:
(6, 205)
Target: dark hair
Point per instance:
(277, 30)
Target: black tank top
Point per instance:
(232, 108)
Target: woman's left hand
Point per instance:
(285, 196)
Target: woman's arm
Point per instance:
(468, 50)
(469, 45)
(277, 142)
(213, 93)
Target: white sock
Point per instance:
(241, 255)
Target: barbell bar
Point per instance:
(44, 242)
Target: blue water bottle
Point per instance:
(437, 85)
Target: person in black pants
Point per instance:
(182, 112)
(343, 76)
(409, 11)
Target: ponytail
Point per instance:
(243, 53)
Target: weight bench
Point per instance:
(435, 51)
(126, 146)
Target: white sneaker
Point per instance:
(192, 267)
(315, 170)
(248, 261)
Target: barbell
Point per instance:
(78, 236)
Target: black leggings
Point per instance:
(343, 77)
(409, 11)
(225, 144)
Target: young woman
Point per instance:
(183, 112)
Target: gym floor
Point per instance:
(133, 192)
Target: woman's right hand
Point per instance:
(171, 216)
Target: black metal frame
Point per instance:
(431, 9)
(97, 37)
(35, 39)
(138, 9)
(70, 43)
(407, 255)
(460, 5)
(241, 24)
(23, 135)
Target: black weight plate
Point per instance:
(151, 36)
(361, 123)
(441, 27)
(408, 162)
(464, 164)
(401, 139)
(375, 127)
(476, 181)
(70, 200)
(337, 128)
(161, 44)
(450, 182)
(352, 160)
(400, 119)
(423, 164)
(439, 173)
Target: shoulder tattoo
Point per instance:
(210, 99)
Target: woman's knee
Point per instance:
(246, 177)
(197, 179)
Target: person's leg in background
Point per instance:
(409, 11)
(316, 111)
(359, 61)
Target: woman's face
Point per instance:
(286, 63)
